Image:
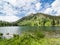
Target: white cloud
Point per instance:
(31, 12)
(26, 6)
(54, 6)
(8, 10)
(13, 2)
(20, 3)
(38, 6)
(48, 11)
(9, 18)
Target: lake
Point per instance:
(20, 29)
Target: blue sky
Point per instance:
(12, 10)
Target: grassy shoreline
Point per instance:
(30, 38)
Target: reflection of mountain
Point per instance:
(40, 19)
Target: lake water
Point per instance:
(20, 29)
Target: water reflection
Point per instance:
(10, 30)
(19, 29)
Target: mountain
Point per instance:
(39, 19)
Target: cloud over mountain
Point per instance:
(54, 9)
(15, 9)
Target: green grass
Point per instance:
(30, 38)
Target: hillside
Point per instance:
(39, 19)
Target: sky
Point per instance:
(13, 10)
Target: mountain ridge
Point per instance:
(37, 18)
